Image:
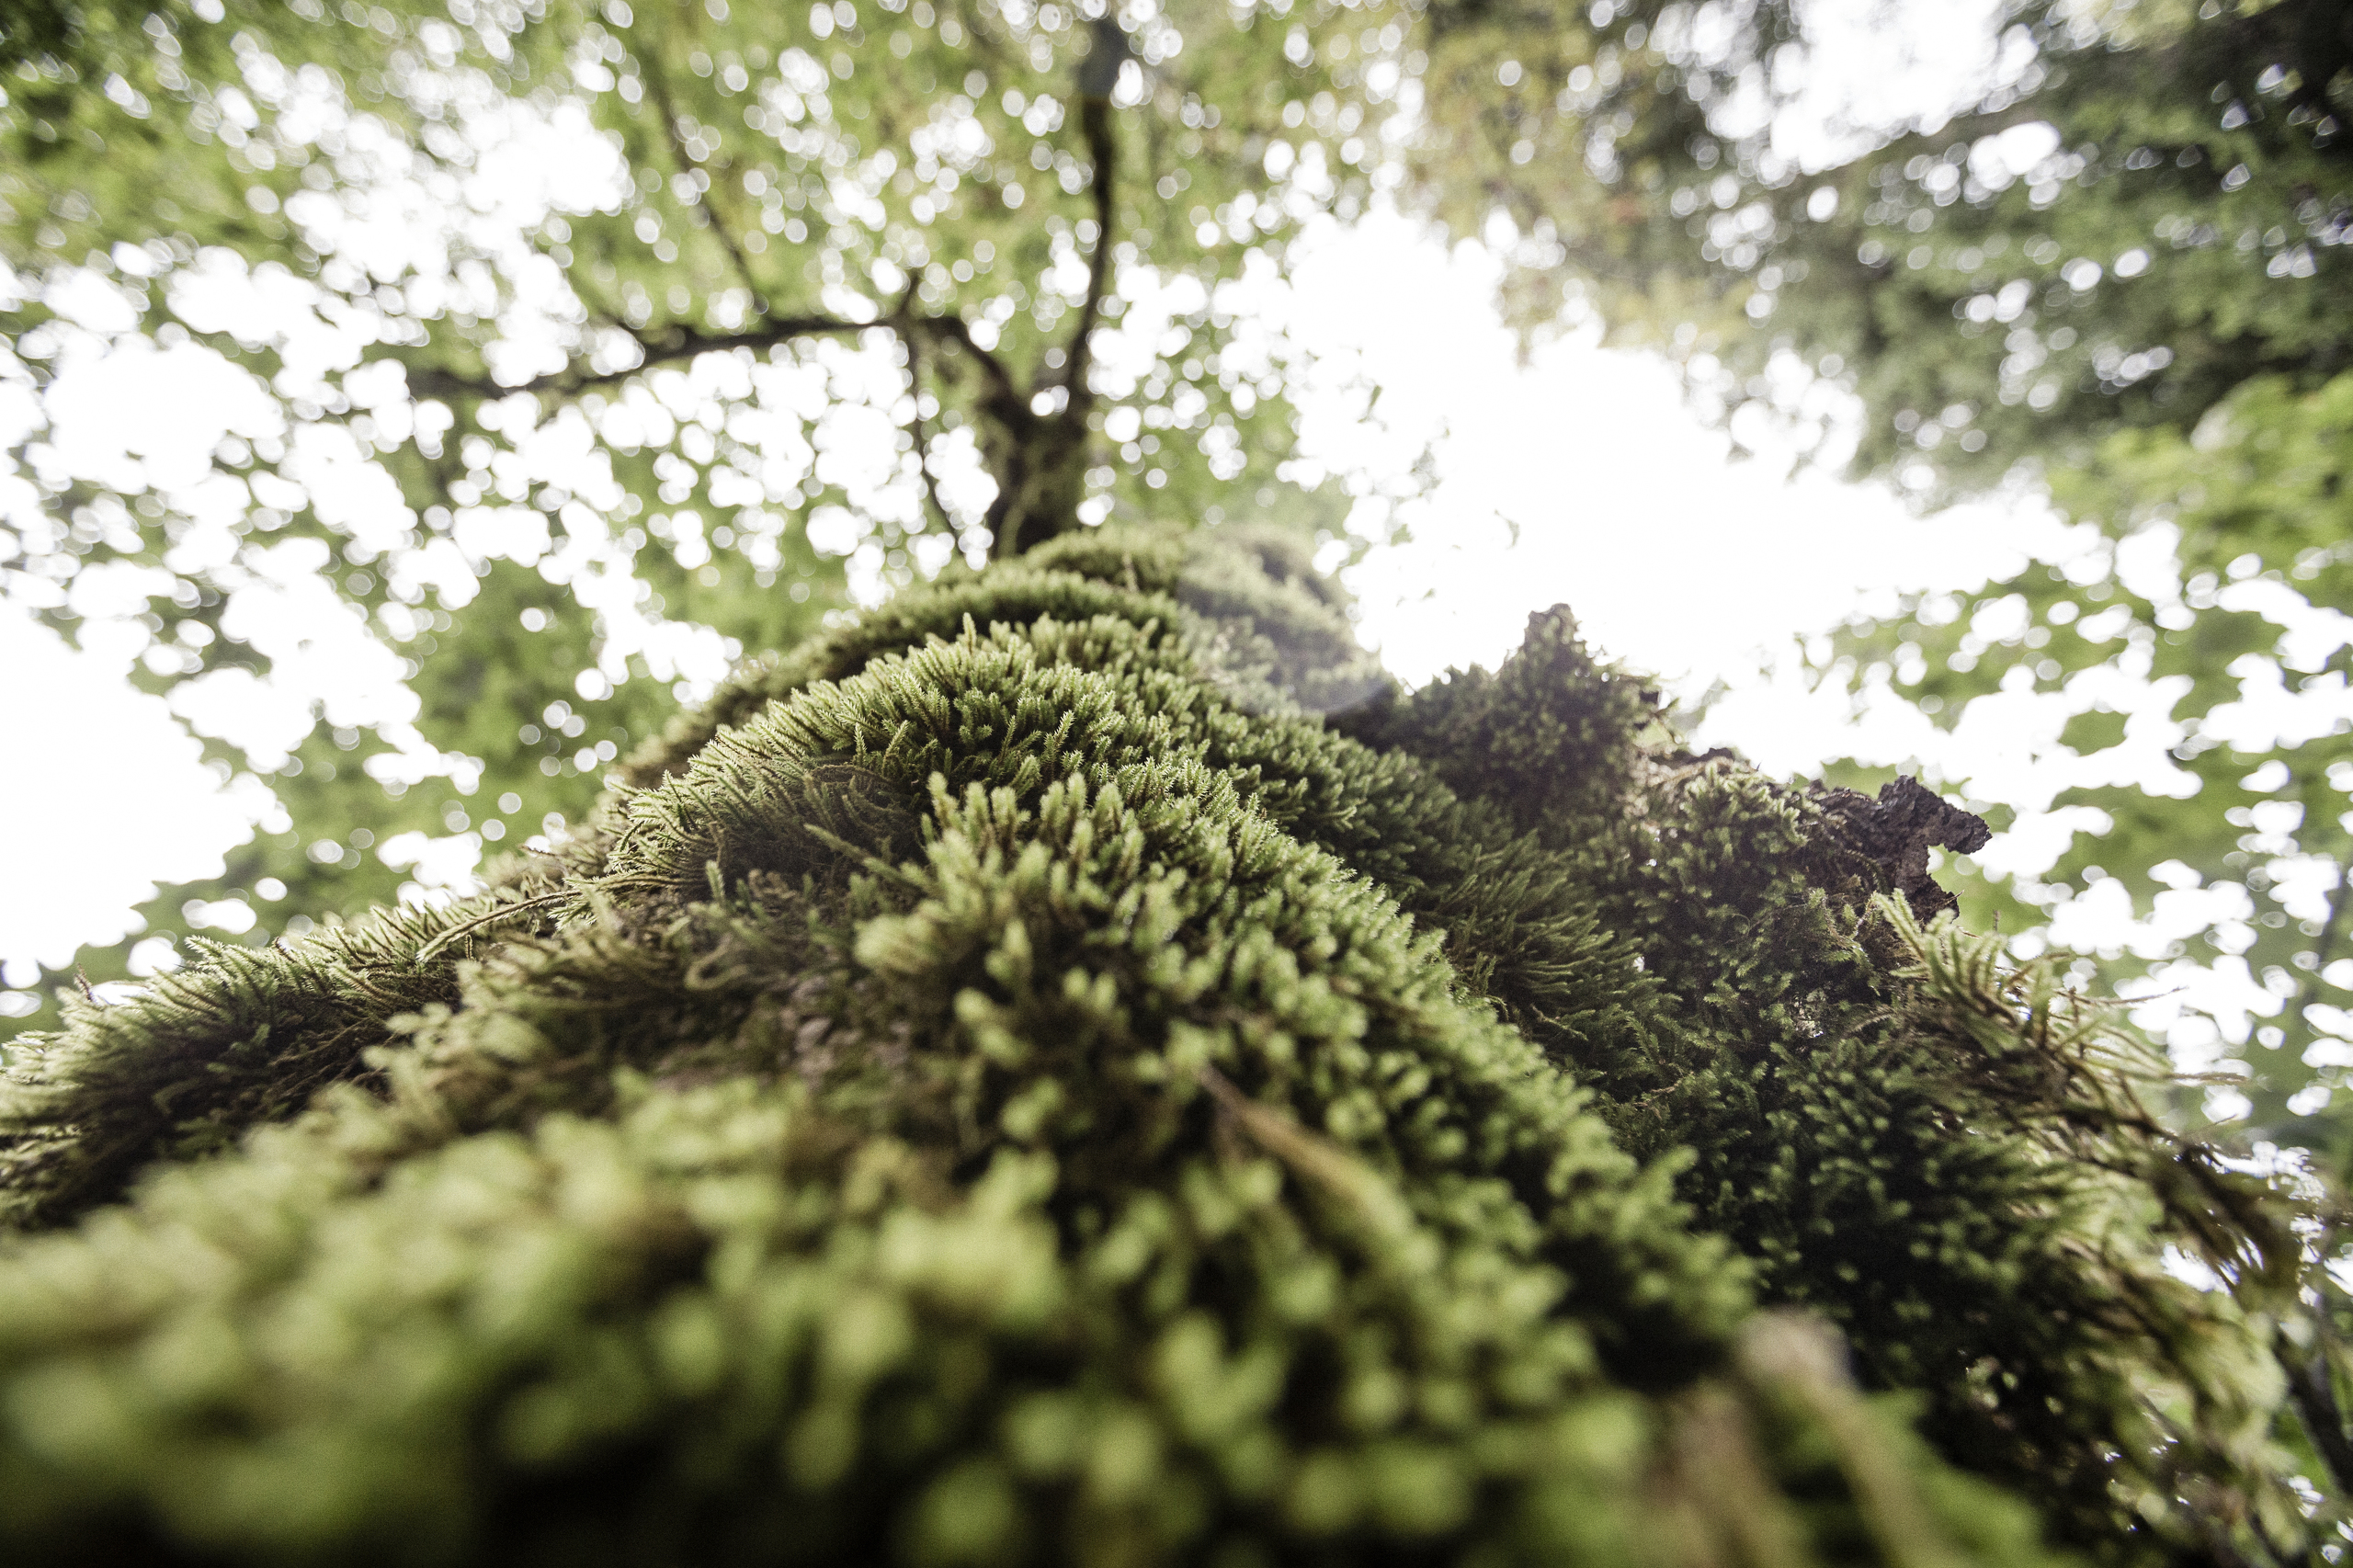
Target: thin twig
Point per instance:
(490, 917)
(1310, 1156)
(687, 162)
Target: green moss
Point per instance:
(1015, 1081)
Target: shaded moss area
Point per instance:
(1075, 1068)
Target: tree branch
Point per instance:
(1095, 119)
(684, 343)
(2311, 1388)
(675, 343)
(901, 322)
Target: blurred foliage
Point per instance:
(590, 345)
(2119, 267)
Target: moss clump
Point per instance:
(1072, 1068)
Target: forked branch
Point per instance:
(953, 329)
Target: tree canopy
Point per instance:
(558, 422)
(555, 334)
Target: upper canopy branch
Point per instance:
(674, 132)
(666, 345)
(1094, 120)
(669, 345)
(916, 430)
(954, 329)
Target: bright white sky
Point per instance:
(1578, 476)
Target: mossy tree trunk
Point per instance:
(1075, 1068)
